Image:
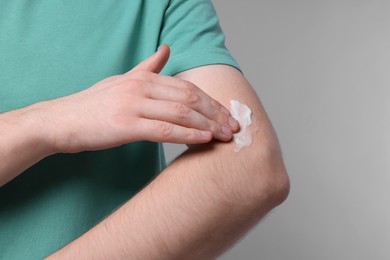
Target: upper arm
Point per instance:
(224, 83)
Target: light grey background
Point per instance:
(322, 71)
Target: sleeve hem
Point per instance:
(197, 58)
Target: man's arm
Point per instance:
(205, 200)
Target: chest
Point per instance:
(50, 49)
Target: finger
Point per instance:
(187, 93)
(161, 131)
(180, 114)
(156, 62)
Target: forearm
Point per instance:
(196, 209)
(23, 141)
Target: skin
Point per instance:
(203, 202)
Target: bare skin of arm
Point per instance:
(204, 201)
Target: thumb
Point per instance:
(156, 62)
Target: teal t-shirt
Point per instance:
(53, 48)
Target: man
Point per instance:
(73, 150)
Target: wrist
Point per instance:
(36, 123)
(58, 126)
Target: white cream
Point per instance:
(243, 115)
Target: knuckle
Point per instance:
(192, 97)
(216, 110)
(221, 116)
(189, 88)
(181, 110)
(214, 127)
(165, 129)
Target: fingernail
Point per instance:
(233, 123)
(226, 131)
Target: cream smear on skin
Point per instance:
(243, 115)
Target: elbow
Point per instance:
(271, 181)
(279, 188)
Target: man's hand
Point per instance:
(138, 105)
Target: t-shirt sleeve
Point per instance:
(191, 29)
